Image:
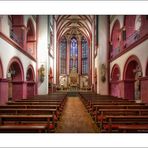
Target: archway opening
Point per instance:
(132, 83)
(30, 82)
(50, 81)
(15, 80)
(31, 42)
(115, 39)
(115, 75)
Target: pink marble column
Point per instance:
(3, 91)
(121, 89)
(19, 90)
(30, 89)
(144, 89)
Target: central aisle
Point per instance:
(75, 118)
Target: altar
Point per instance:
(73, 79)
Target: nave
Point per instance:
(86, 113)
(75, 118)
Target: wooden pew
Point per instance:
(23, 128)
(113, 123)
(102, 113)
(20, 111)
(28, 119)
(96, 107)
(31, 106)
(133, 128)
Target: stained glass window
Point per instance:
(74, 54)
(63, 48)
(85, 49)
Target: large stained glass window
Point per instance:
(85, 49)
(63, 50)
(74, 54)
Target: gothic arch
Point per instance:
(16, 65)
(115, 38)
(15, 25)
(15, 76)
(129, 23)
(130, 64)
(129, 75)
(31, 38)
(115, 74)
(30, 75)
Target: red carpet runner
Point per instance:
(75, 118)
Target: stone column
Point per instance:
(3, 91)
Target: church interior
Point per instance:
(73, 74)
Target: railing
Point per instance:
(15, 38)
(133, 38)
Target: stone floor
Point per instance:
(75, 118)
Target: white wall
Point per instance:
(141, 51)
(42, 53)
(5, 26)
(7, 52)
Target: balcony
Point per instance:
(15, 38)
(131, 41)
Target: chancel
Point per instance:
(73, 73)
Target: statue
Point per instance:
(137, 82)
(103, 73)
(42, 73)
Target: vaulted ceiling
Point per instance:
(74, 25)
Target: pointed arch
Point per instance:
(31, 38)
(15, 76)
(115, 77)
(15, 67)
(74, 53)
(85, 55)
(30, 75)
(129, 77)
(115, 74)
(115, 39)
(129, 23)
(130, 65)
(63, 55)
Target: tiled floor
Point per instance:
(75, 118)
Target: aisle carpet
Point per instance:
(75, 118)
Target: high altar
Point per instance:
(73, 81)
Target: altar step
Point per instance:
(72, 94)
